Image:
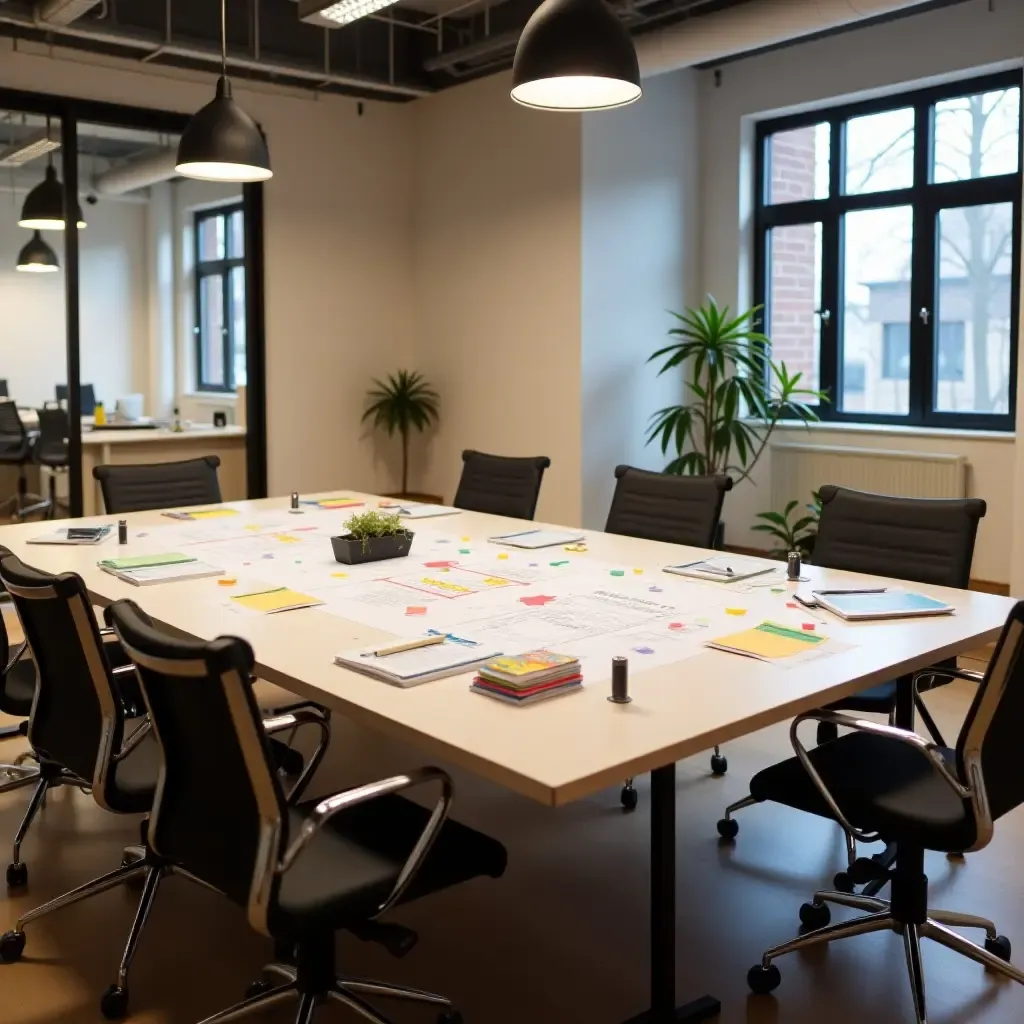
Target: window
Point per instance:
(220, 298)
(888, 253)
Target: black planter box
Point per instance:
(354, 552)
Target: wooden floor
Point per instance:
(561, 939)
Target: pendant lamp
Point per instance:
(575, 55)
(222, 142)
(43, 208)
(36, 257)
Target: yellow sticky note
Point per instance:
(465, 539)
(213, 513)
(287, 538)
(281, 599)
(340, 575)
(639, 572)
(735, 611)
(770, 640)
(254, 526)
(502, 555)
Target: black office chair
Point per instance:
(135, 488)
(51, 450)
(16, 445)
(303, 871)
(4, 393)
(499, 485)
(87, 397)
(923, 540)
(880, 782)
(676, 510)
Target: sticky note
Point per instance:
(280, 599)
(465, 540)
(415, 609)
(656, 590)
(778, 590)
(503, 555)
(807, 625)
(677, 625)
(618, 572)
(213, 513)
(735, 611)
(340, 575)
(287, 538)
(566, 562)
(638, 572)
(644, 650)
(580, 548)
(792, 604)
(227, 581)
(464, 551)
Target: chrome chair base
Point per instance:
(764, 977)
(346, 991)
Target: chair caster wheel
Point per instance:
(763, 980)
(728, 828)
(999, 946)
(450, 1017)
(114, 1003)
(17, 876)
(629, 798)
(258, 988)
(12, 945)
(719, 764)
(843, 882)
(813, 916)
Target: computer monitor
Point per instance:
(87, 397)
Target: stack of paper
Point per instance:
(405, 665)
(145, 570)
(724, 568)
(334, 503)
(413, 510)
(769, 641)
(533, 539)
(528, 678)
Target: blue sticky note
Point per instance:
(644, 650)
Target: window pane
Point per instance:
(211, 238)
(976, 136)
(237, 284)
(794, 291)
(876, 310)
(236, 235)
(975, 262)
(798, 162)
(880, 151)
(211, 331)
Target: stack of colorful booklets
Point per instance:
(528, 678)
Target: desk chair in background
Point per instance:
(136, 488)
(303, 871)
(499, 485)
(922, 540)
(880, 782)
(16, 449)
(87, 397)
(676, 510)
(51, 450)
(4, 393)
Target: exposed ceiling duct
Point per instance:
(63, 12)
(754, 26)
(141, 172)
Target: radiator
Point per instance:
(799, 469)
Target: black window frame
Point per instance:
(927, 199)
(211, 268)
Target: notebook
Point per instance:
(204, 513)
(890, 604)
(275, 599)
(724, 568)
(769, 641)
(532, 539)
(574, 685)
(421, 665)
(146, 570)
(529, 670)
(330, 503)
(74, 535)
(414, 511)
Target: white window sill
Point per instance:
(212, 397)
(1001, 436)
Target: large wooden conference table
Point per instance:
(565, 749)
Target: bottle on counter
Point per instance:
(99, 415)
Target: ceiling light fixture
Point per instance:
(36, 257)
(575, 55)
(334, 13)
(17, 154)
(43, 209)
(222, 142)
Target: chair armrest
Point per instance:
(332, 805)
(948, 673)
(15, 655)
(137, 736)
(929, 751)
(302, 716)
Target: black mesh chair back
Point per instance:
(204, 715)
(159, 484)
(660, 506)
(925, 540)
(51, 447)
(14, 444)
(87, 397)
(77, 718)
(4, 393)
(499, 485)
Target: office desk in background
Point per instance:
(565, 749)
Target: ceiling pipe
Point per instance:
(140, 172)
(753, 26)
(235, 63)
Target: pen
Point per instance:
(412, 645)
(864, 590)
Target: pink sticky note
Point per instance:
(415, 609)
(536, 599)
(792, 604)
(677, 625)
(807, 625)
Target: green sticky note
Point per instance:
(778, 590)
(618, 572)
(464, 551)
(566, 562)
(145, 561)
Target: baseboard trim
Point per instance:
(984, 586)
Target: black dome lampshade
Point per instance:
(36, 257)
(575, 55)
(43, 208)
(223, 143)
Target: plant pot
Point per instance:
(353, 551)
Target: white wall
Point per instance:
(338, 250)
(497, 258)
(640, 258)
(949, 42)
(113, 305)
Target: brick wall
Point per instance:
(793, 287)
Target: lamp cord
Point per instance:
(224, 38)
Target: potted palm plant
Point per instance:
(402, 404)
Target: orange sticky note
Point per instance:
(415, 609)
(227, 581)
